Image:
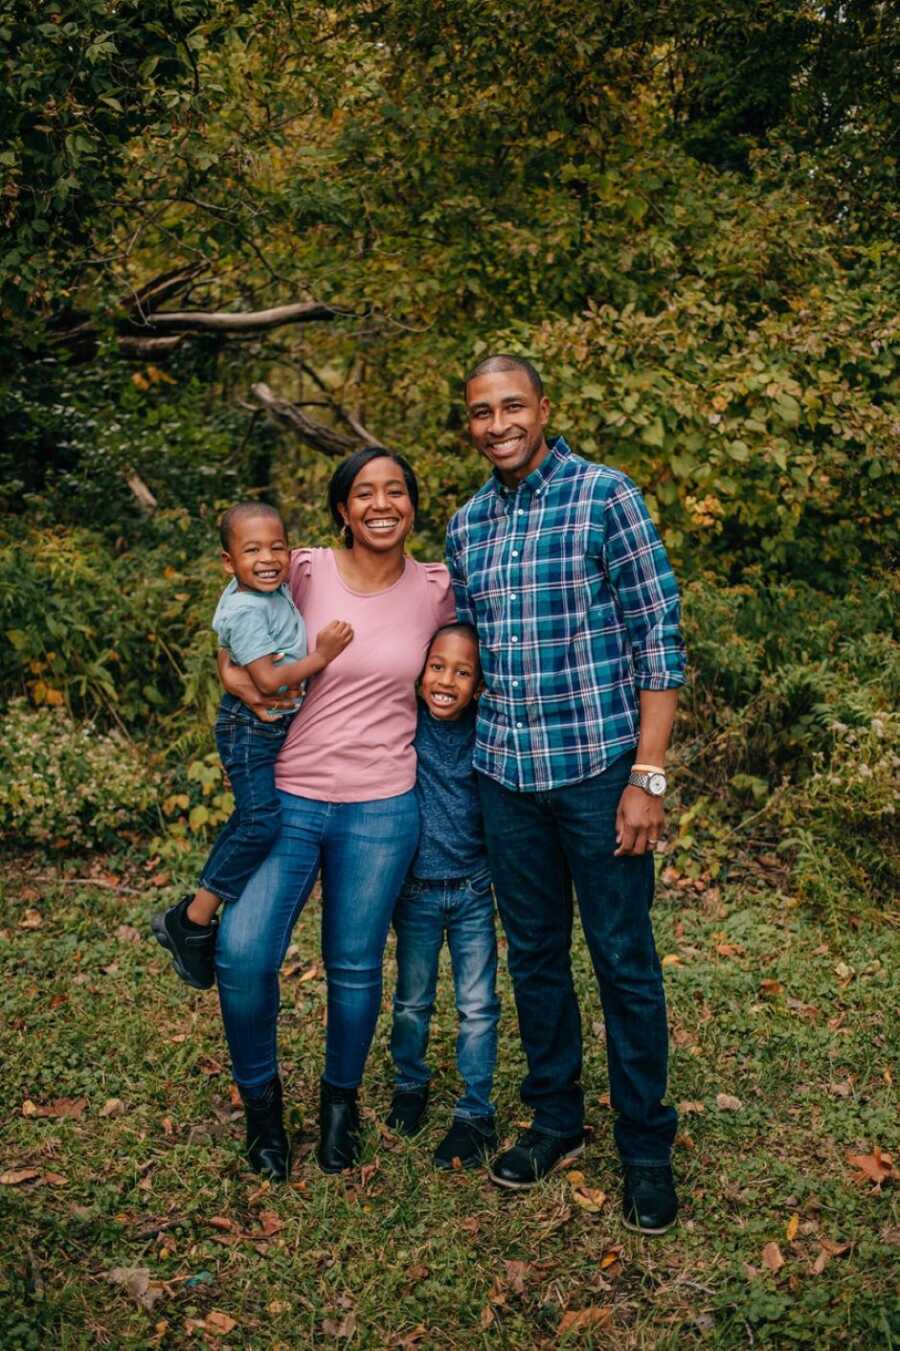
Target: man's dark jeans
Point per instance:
(248, 749)
(539, 844)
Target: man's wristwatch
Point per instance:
(648, 777)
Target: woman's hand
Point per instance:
(237, 682)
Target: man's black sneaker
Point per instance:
(650, 1204)
(192, 946)
(470, 1140)
(408, 1110)
(534, 1155)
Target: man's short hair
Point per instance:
(241, 511)
(505, 361)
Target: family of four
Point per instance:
(546, 654)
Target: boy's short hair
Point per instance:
(456, 626)
(240, 512)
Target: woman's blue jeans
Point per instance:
(364, 850)
(462, 909)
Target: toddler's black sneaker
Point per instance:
(192, 946)
(472, 1140)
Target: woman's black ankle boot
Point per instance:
(338, 1129)
(268, 1146)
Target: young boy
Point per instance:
(257, 622)
(447, 892)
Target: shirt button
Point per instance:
(518, 724)
(512, 595)
(514, 638)
(515, 553)
(515, 684)
(521, 511)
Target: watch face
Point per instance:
(657, 784)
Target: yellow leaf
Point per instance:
(575, 1178)
(52, 696)
(590, 1199)
(791, 1228)
(671, 959)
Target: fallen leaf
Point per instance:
(595, 1316)
(875, 1166)
(368, 1171)
(113, 1107)
(841, 1090)
(790, 1229)
(14, 1176)
(278, 1306)
(726, 1102)
(515, 1274)
(729, 950)
(590, 1199)
(61, 1107)
(127, 933)
(772, 1258)
(220, 1222)
(135, 1281)
(834, 1249)
(54, 1179)
(610, 1257)
(820, 1263)
(32, 919)
(670, 959)
(416, 1273)
(219, 1323)
(691, 1108)
(270, 1223)
(487, 1317)
(771, 987)
(310, 974)
(576, 1178)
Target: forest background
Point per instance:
(240, 240)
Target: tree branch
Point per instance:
(315, 434)
(203, 321)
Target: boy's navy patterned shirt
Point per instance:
(569, 587)
(451, 842)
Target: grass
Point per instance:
(766, 1006)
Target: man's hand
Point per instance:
(640, 822)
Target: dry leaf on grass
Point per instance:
(596, 1316)
(591, 1199)
(219, 1323)
(127, 933)
(32, 919)
(136, 1282)
(726, 1102)
(691, 1108)
(772, 1258)
(876, 1167)
(61, 1107)
(671, 959)
(113, 1107)
(487, 1317)
(13, 1177)
(771, 987)
(790, 1229)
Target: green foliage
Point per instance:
(63, 782)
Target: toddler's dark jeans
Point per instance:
(539, 844)
(248, 749)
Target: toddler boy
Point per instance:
(258, 623)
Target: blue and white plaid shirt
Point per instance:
(576, 606)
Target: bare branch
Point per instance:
(146, 501)
(315, 434)
(201, 321)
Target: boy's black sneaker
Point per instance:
(192, 946)
(407, 1112)
(470, 1140)
(533, 1157)
(650, 1203)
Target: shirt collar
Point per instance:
(538, 479)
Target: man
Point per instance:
(559, 567)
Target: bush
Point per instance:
(65, 783)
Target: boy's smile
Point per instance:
(259, 557)
(451, 675)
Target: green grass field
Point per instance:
(121, 1151)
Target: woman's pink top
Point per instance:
(352, 740)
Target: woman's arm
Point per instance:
(238, 682)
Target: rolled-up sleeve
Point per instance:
(641, 577)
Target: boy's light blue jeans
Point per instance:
(463, 910)
(364, 850)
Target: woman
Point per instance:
(346, 777)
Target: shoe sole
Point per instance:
(161, 934)
(642, 1229)
(524, 1186)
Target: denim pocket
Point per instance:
(481, 883)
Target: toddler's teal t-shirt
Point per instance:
(254, 624)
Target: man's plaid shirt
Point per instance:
(576, 607)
